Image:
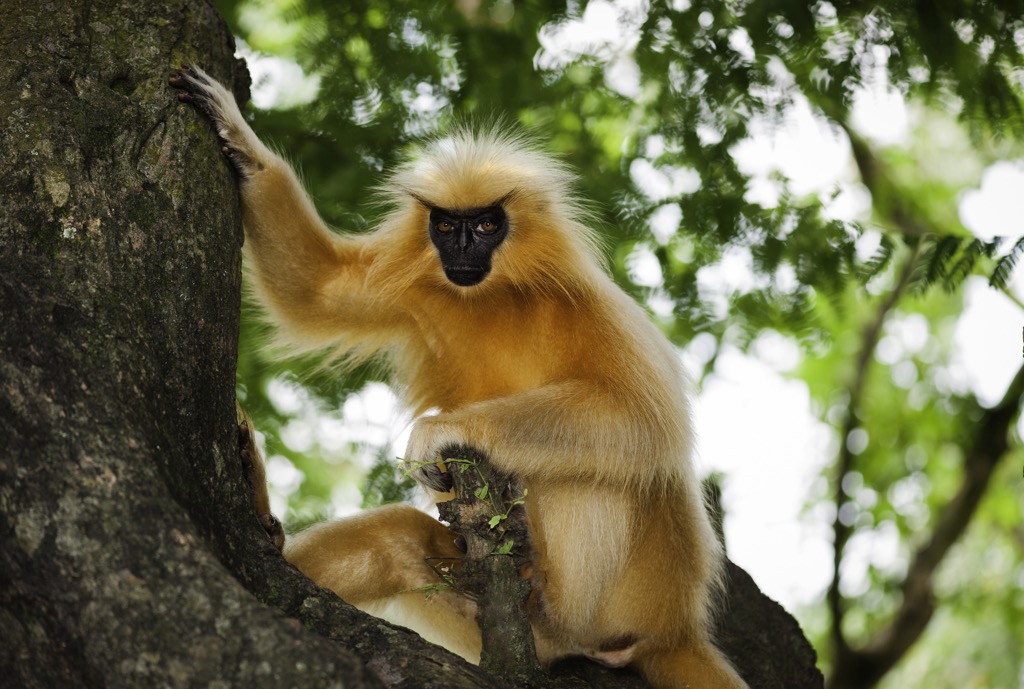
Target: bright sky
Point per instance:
(754, 423)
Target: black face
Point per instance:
(466, 239)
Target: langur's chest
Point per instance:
(501, 354)
(480, 353)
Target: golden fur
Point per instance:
(366, 560)
(546, 366)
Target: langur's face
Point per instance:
(466, 240)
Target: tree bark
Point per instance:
(131, 552)
(121, 506)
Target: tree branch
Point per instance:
(844, 463)
(864, 667)
(487, 510)
(859, 668)
(885, 197)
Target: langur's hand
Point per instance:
(210, 97)
(430, 437)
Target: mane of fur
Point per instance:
(549, 247)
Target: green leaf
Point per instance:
(505, 548)
(1005, 265)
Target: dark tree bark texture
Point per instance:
(131, 553)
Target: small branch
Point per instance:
(1012, 297)
(487, 511)
(863, 668)
(844, 463)
(885, 197)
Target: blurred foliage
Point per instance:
(673, 102)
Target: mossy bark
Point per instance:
(131, 553)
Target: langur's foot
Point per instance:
(255, 475)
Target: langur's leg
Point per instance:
(391, 562)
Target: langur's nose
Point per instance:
(465, 236)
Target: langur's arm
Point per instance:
(310, 279)
(574, 429)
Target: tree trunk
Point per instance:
(131, 553)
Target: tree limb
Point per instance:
(864, 667)
(857, 668)
(844, 463)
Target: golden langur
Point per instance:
(483, 289)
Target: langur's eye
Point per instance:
(445, 226)
(487, 226)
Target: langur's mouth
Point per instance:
(465, 277)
